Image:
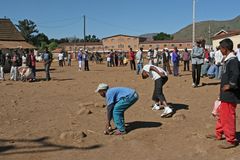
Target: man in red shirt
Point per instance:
(132, 59)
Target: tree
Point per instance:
(52, 46)
(27, 29)
(91, 38)
(163, 36)
(41, 37)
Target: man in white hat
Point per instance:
(118, 100)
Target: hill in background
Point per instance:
(204, 29)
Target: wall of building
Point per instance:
(235, 39)
(121, 43)
(167, 44)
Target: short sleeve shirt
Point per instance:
(113, 95)
(152, 74)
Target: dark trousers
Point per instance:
(86, 67)
(47, 70)
(196, 72)
(186, 65)
(133, 65)
(34, 71)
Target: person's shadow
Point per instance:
(130, 126)
(178, 106)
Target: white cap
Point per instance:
(101, 86)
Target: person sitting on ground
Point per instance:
(160, 78)
(118, 100)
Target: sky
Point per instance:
(64, 18)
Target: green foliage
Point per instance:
(39, 38)
(53, 45)
(27, 29)
(162, 36)
(43, 46)
(91, 38)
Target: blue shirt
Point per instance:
(113, 95)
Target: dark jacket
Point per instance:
(2, 59)
(231, 76)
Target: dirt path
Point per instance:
(63, 119)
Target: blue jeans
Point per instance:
(175, 68)
(119, 109)
(139, 67)
(218, 72)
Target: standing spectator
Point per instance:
(31, 63)
(206, 63)
(186, 59)
(197, 56)
(108, 60)
(69, 58)
(118, 99)
(160, 78)
(218, 57)
(121, 57)
(150, 56)
(60, 59)
(238, 52)
(24, 59)
(47, 59)
(80, 59)
(86, 59)
(132, 59)
(64, 57)
(111, 58)
(166, 57)
(15, 61)
(175, 60)
(2, 63)
(229, 97)
(139, 59)
(155, 57)
(116, 58)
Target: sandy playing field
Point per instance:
(64, 119)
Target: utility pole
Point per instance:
(84, 31)
(193, 31)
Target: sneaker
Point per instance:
(167, 112)
(119, 133)
(156, 107)
(193, 85)
(227, 145)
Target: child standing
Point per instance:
(229, 96)
(160, 78)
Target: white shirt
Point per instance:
(152, 74)
(138, 56)
(218, 57)
(238, 54)
(60, 56)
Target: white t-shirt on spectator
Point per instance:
(60, 56)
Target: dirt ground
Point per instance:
(64, 119)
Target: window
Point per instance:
(173, 45)
(120, 46)
(180, 45)
(165, 45)
(112, 40)
(142, 46)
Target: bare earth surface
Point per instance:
(64, 119)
